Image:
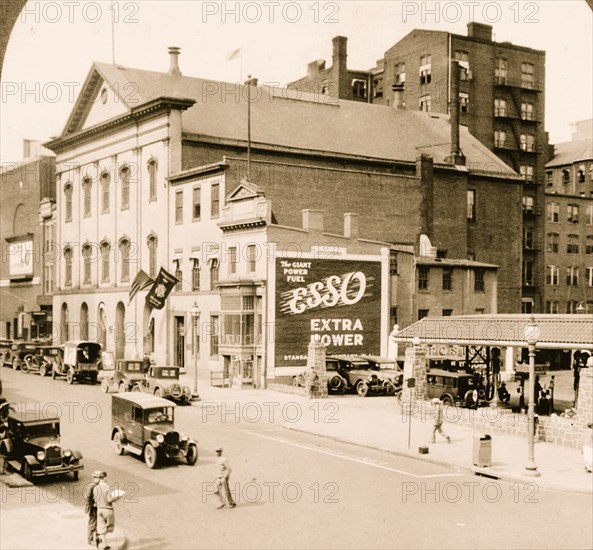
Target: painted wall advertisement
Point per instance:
(339, 301)
(21, 258)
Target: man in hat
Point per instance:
(105, 517)
(222, 481)
(438, 420)
(90, 508)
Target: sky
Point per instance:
(54, 43)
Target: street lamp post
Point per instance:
(195, 316)
(532, 333)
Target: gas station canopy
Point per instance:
(566, 332)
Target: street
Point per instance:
(293, 490)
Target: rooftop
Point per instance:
(569, 152)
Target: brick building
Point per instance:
(143, 179)
(501, 95)
(25, 307)
(569, 228)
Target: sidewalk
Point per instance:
(31, 518)
(377, 422)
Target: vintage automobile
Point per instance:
(5, 346)
(452, 388)
(42, 362)
(164, 382)
(144, 425)
(82, 361)
(32, 446)
(364, 376)
(15, 356)
(126, 374)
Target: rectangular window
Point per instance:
(423, 278)
(549, 178)
(68, 267)
(251, 258)
(195, 274)
(425, 103)
(124, 176)
(462, 58)
(572, 244)
(232, 260)
(392, 316)
(105, 250)
(86, 186)
(214, 335)
(68, 201)
(500, 70)
(589, 215)
(152, 168)
(447, 279)
(378, 87)
(471, 205)
(589, 244)
(527, 111)
(571, 306)
(359, 88)
(572, 276)
(479, 280)
(527, 142)
(463, 102)
(527, 204)
(589, 276)
(400, 73)
(553, 275)
(215, 200)
(197, 203)
(551, 306)
(393, 266)
(447, 312)
(179, 275)
(527, 172)
(528, 273)
(565, 176)
(500, 107)
(572, 211)
(500, 138)
(179, 207)
(553, 239)
(527, 75)
(86, 257)
(213, 273)
(105, 184)
(553, 212)
(581, 174)
(528, 238)
(425, 69)
(422, 313)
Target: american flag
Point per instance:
(140, 282)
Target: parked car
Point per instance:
(82, 361)
(452, 388)
(5, 346)
(32, 446)
(363, 376)
(15, 356)
(42, 362)
(164, 382)
(124, 377)
(144, 425)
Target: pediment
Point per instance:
(245, 190)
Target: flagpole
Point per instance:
(241, 66)
(112, 33)
(248, 127)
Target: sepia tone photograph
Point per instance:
(296, 274)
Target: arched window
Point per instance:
(86, 258)
(152, 242)
(124, 253)
(68, 202)
(67, 266)
(86, 190)
(105, 192)
(124, 178)
(105, 261)
(152, 173)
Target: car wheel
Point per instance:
(123, 387)
(362, 388)
(26, 471)
(336, 384)
(70, 376)
(136, 388)
(471, 399)
(104, 386)
(117, 441)
(75, 475)
(192, 455)
(158, 392)
(150, 456)
(447, 401)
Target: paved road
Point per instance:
(296, 490)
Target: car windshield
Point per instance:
(39, 430)
(161, 414)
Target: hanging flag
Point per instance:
(161, 288)
(140, 282)
(234, 54)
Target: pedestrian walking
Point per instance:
(438, 420)
(588, 448)
(146, 363)
(90, 508)
(104, 498)
(222, 481)
(311, 379)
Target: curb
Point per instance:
(486, 472)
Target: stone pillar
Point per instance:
(416, 357)
(316, 359)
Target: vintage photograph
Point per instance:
(296, 274)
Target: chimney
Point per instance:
(479, 31)
(174, 66)
(456, 157)
(315, 67)
(398, 96)
(351, 221)
(339, 70)
(313, 220)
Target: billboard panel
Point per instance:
(21, 258)
(337, 300)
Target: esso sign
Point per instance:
(345, 289)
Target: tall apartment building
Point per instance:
(569, 227)
(501, 95)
